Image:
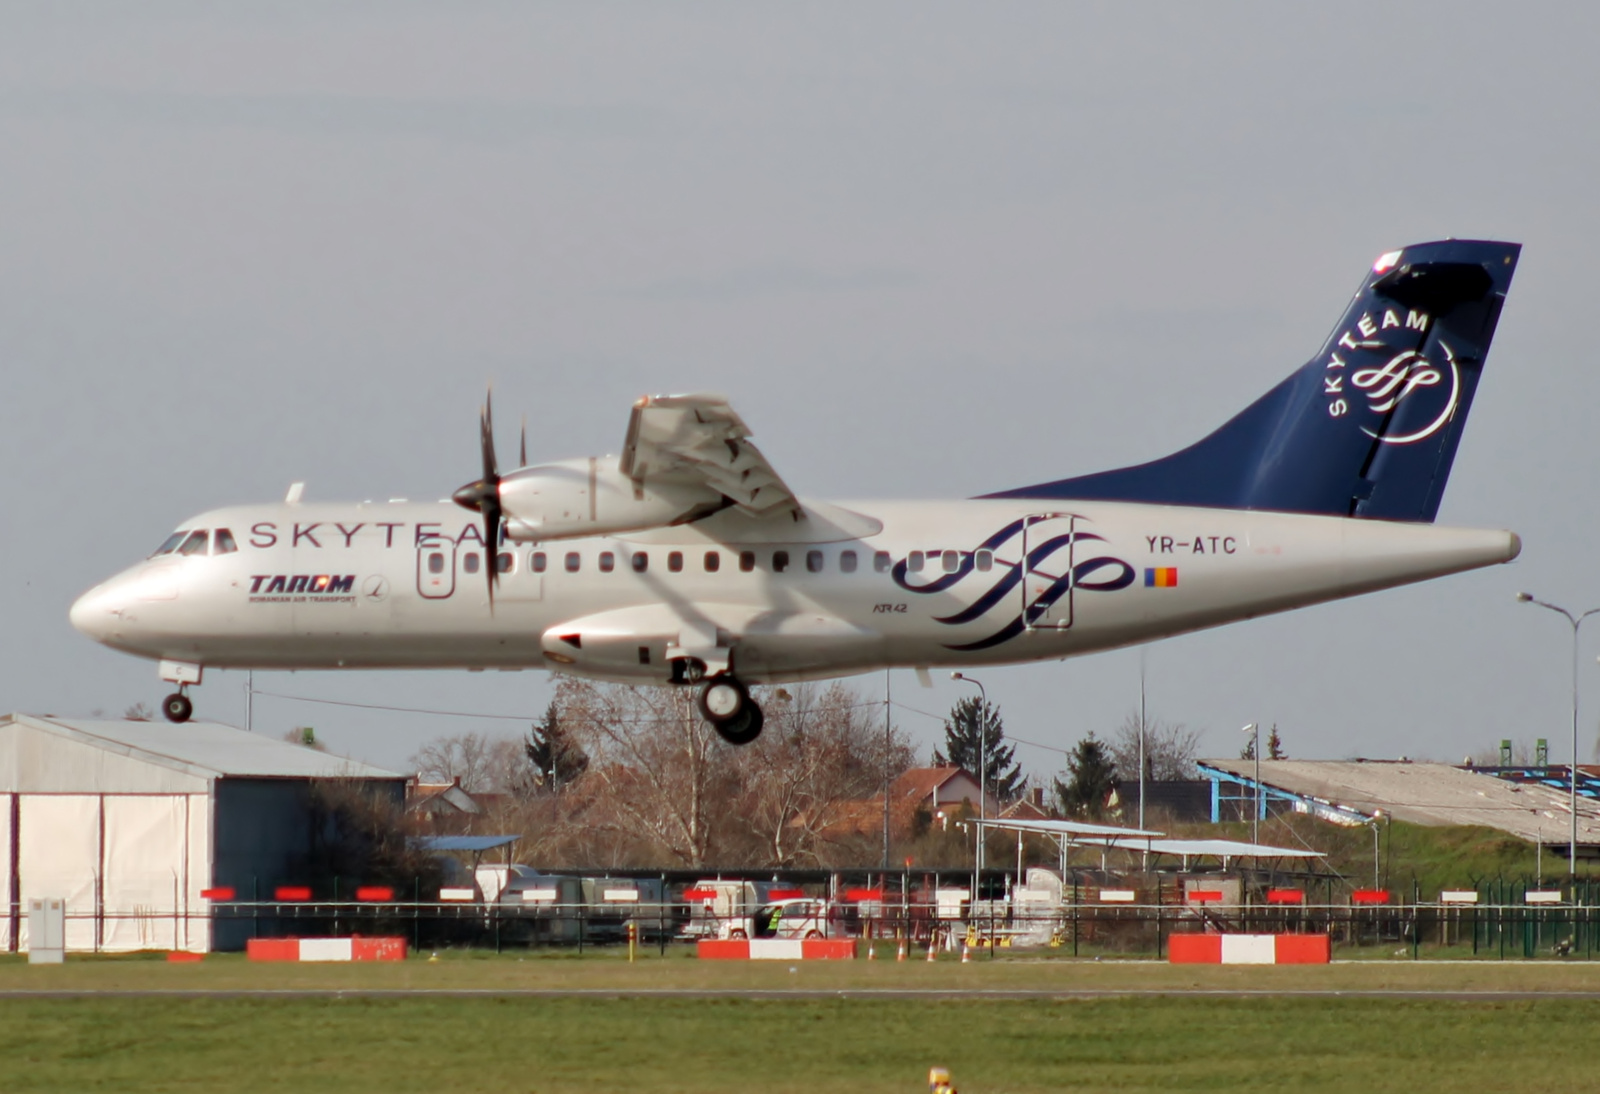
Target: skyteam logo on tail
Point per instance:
(1376, 368)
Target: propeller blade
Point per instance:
(491, 467)
(483, 496)
(491, 536)
(522, 453)
(490, 506)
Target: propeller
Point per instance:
(483, 496)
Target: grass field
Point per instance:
(615, 1042)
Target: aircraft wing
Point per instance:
(701, 439)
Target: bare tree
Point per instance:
(482, 763)
(1170, 749)
(139, 712)
(510, 771)
(823, 752)
(657, 773)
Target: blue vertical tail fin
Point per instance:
(1369, 426)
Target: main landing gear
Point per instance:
(178, 707)
(726, 704)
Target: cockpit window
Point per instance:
(171, 543)
(223, 544)
(196, 543)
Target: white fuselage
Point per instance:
(844, 589)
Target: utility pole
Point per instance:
(888, 746)
(1576, 622)
(983, 765)
(1142, 761)
(1255, 814)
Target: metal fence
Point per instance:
(1498, 919)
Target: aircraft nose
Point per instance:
(96, 613)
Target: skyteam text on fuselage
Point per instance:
(688, 560)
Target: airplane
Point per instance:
(688, 560)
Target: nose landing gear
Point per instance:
(178, 707)
(725, 703)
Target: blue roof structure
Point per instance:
(465, 843)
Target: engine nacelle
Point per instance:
(591, 497)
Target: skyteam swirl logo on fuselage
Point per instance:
(1102, 573)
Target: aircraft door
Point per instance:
(436, 570)
(1047, 579)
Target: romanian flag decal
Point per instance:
(1161, 577)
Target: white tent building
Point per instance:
(130, 822)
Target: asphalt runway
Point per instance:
(780, 994)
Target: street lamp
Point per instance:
(1255, 814)
(1576, 622)
(983, 761)
(1377, 815)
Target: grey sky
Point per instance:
(927, 250)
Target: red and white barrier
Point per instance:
(1249, 949)
(326, 949)
(776, 949)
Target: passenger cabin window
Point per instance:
(538, 561)
(814, 561)
(469, 562)
(780, 561)
(675, 561)
(951, 561)
(436, 563)
(984, 560)
(608, 562)
(195, 544)
(504, 561)
(574, 561)
(641, 562)
(881, 561)
(847, 561)
(222, 542)
(713, 562)
(915, 561)
(170, 544)
(747, 561)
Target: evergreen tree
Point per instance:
(1092, 777)
(965, 742)
(1275, 745)
(555, 756)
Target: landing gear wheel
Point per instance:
(742, 728)
(177, 707)
(727, 706)
(722, 699)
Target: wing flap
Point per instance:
(700, 438)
